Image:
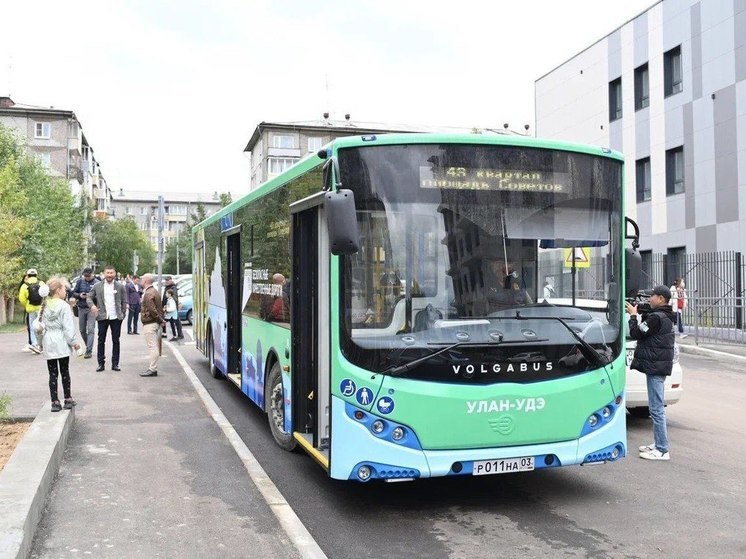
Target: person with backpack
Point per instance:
(86, 319)
(31, 300)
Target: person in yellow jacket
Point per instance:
(31, 300)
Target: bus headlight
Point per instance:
(397, 434)
(606, 412)
(377, 427)
(593, 420)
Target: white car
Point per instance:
(637, 388)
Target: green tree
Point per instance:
(115, 243)
(49, 223)
(225, 199)
(13, 228)
(184, 245)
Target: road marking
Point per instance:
(294, 528)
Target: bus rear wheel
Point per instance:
(274, 397)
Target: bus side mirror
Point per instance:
(341, 221)
(633, 271)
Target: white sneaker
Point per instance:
(26, 349)
(647, 447)
(683, 336)
(655, 454)
(35, 348)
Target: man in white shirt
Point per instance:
(108, 301)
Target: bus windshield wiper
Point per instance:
(401, 369)
(589, 349)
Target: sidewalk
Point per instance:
(721, 351)
(146, 472)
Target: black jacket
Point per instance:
(655, 341)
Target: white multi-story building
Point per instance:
(55, 137)
(668, 89)
(142, 207)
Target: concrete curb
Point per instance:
(705, 352)
(27, 479)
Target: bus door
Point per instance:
(310, 363)
(199, 313)
(233, 306)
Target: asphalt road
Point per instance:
(692, 506)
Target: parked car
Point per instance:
(185, 300)
(637, 387)
(636, 390)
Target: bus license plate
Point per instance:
(504, 466)
(630, 356)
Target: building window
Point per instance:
(314, 144)
(144, 210)
(43, 130)
(279, 164)
(642, 87)
(675, 264)
(675, 171)
(130, 210)
(178, 210)
(615, 99)
(45, 159)
(283, 141)
(672, 73)
(643, 180)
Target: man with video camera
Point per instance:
(654, 356)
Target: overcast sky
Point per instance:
(169, 92)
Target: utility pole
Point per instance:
(161, 220)
(177, 248)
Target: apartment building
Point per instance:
(56, 138)
(142, 206)
(275, 146)
(668, 89)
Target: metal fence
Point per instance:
(715, 284)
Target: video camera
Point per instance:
(642, 301)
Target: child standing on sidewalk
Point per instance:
(171, 313)
(57, 332)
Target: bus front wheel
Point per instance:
(274, 397)
(214, 370)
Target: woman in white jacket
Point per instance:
(678, 303)
(58, 337)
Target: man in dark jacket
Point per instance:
(153, 320)
(134, 296)
(86, 319)
(654, 356)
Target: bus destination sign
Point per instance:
(464, 178)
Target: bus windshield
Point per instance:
(480, 249)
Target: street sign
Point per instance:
(582, 257)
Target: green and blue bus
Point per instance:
(417, 305)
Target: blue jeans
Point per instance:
(658, 411)
(87, 325)
(31, 317)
